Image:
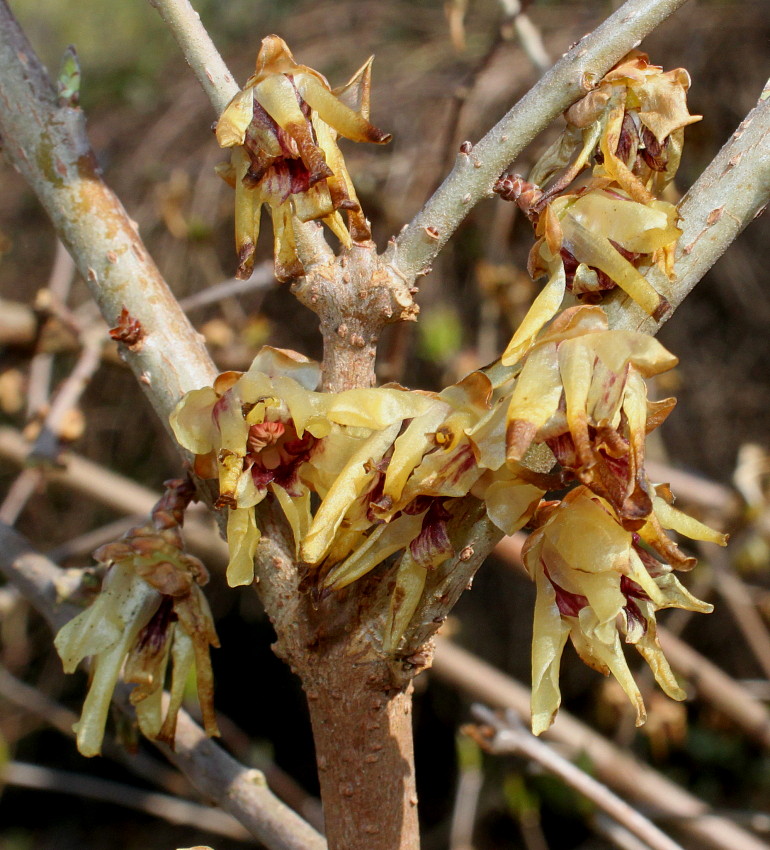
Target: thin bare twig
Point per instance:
(509, 737)
(742, 607)
(262, 278)
(199, 50)
(117, 492)
(35, 702)
(171, 809)
(475, 173)
(619, 770)
(48, 443)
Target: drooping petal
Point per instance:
(410, 583)
(242, 538)
(549, 634)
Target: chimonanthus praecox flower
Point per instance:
(268, 431)
(283, 127)
(595, 580)
(607, 231)
(151, 612)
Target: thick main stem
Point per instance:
(363, 738)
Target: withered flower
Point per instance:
(151, 612)
(596, 581)
(283, 127)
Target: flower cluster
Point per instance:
(360, 475)
(283, 127)
(380, 479)
(605, 232)
(595, 580)
(151, 612)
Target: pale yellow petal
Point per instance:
(676, 520)
(383, 542)
(549, 634)
(238, 114)
(345, 489)
(350, 124)
(543, 309)
(242, 538)
(410, 583)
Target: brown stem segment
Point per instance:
(354, 295)
(363, 738)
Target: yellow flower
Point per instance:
(283, 127)
(243, 432)
(607, 232)
(151, 611)
(582, 391)
(267, 431)
(595, 581)
(453, 447)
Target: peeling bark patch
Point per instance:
(129, 331)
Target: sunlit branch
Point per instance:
(729, 194)
(475, 173)
(46, 141)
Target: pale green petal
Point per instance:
(123, 599)
(410, 583)
(106, 667)
(183, 658)
(342, 493)
(242, 538)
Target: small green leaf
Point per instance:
(68, 83)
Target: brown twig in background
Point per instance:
(171, 809)
(509, 737)
(616, 768)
